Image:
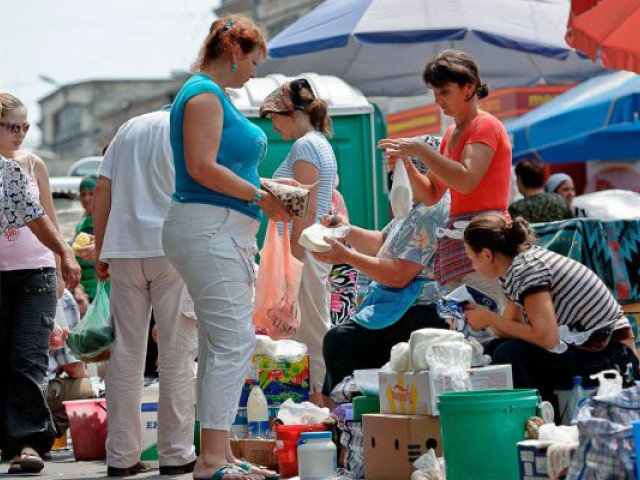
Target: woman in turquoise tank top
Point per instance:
(209, 234)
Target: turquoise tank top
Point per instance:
(243, 145)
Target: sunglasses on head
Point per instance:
(15, 127)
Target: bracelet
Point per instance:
(257, 197)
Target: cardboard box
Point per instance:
(393, 442)
(279, 380)
(416, 393)
(532, 458)
(259, 452)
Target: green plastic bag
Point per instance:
(94, 334)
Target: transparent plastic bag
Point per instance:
(277, 286)
(401, 195)
(94, 334)
(60, 329)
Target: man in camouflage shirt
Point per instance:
(537, 206)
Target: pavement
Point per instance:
(63, 466)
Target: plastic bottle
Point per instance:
(257, 412)
(576, 394)
(317, 456)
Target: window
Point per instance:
(67, 126)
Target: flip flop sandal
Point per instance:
(247, 466)
(30, 461)
(222, 471)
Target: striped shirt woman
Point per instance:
(560, 320)
(582, 302)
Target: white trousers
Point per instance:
(314, 301)
(213, 248)
(137, 285)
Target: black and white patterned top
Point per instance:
(17, 206)
(582, 302)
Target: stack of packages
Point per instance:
(434, 361)
(281, 369)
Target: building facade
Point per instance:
(272, 15)
(80, 119)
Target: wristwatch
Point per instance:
(257, 197)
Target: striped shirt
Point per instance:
(313, 147)
(582, 302)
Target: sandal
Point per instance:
(30, 461)
(247, 466)
(223, 471)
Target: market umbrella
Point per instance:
(381, 46)
(596, 120)
(609, 28)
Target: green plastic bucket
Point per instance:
(481, 429)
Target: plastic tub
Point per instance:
(481, 429)
(88, 425)
(287, 437)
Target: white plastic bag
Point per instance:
(427, 467)
(399, 361)
(281, 350)
(421, 339)
(607, 386)
(305, 413)
(450, 362)
(401, 195)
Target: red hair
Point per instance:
(227, 31)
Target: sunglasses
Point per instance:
(15, 127)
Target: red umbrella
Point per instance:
(608, 27)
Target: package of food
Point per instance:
(294, 199)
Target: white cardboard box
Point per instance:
(416, 393)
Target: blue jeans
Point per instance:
(27, 312)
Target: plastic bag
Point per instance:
(401, 195)
(450, 362)
(399, 361)
(277, 286)
(608, 386)
(427, 467)
(94, 334)
(280, 350)
(305, 413)
(60, 329)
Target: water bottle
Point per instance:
(576, 394)
(257, 412)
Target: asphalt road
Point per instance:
(63, 466)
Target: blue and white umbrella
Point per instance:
(597, 120)
(381, 46)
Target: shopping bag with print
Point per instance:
(277, 286)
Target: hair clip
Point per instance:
(229, 25)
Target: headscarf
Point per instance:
(554, 181)
(89, 182)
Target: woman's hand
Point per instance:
(70, 269)
(338, 254)
(273, 208)
(478, 317)
(332, 220)
(402, 147)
